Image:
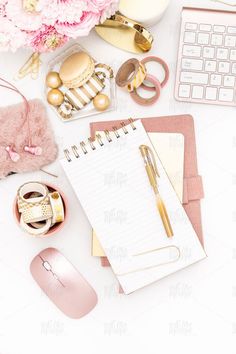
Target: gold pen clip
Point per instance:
(147, 152)
(152, 172)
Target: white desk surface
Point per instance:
(189, 312)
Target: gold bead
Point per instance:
(101, 102)
(53, 80)
(55, 97)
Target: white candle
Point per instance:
(146, 12)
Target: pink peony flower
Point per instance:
(47, 39)
(47, 24)
(100, 5)
(3, 7)
(63, 11)
(106, 8)
(109, 11)
(87, 22)
(27, 21)
(11, 37)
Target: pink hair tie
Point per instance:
(148, 101)
(165, 67)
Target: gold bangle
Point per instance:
(131, 74)
(138, 79)
(125, 33)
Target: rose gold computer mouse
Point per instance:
(62, 283)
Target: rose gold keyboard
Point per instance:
(206, 67)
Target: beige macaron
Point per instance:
(76, 70)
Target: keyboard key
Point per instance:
(224, 67)
(203, 38)
(233, 54)
(229, 81)
(226, 95)
(204, 27)
(191, 51)
(215, 80)
(207, 64)
(197, 92)
(189, 37)
(232, 30)
(222, 53)
(211, 93)
(208, 52)
(194, 78)
(184, 91)
(219, 29)
(230, 41)
(234, 68)
(191, 26)
(216, 39)
(192, 64)
(210, 65)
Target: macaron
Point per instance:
(76, 70)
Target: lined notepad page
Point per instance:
(170, 147)
(123, 211)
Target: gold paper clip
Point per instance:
(31, 67)
(152, 172)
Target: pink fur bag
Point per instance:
(26, 137)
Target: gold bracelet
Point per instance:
(131, 74)
(125, 33)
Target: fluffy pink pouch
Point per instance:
(13, 129)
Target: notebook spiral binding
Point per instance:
(83, 145)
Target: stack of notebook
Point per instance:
(110, 179)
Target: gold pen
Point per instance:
(152, 172)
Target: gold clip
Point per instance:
(150, 165)
(147, 151)
(30, 67)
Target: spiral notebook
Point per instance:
(170, 147)
(124, 215)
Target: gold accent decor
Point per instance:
(125, 34)
(171, 247)
(31, 67)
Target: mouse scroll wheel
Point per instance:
(47, 266)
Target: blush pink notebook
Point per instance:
(193, 188)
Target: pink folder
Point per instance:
(193, 188)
